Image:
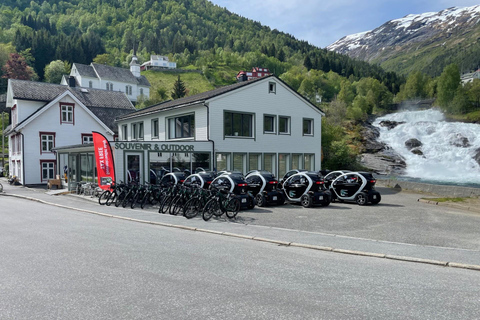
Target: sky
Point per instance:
(322, 22)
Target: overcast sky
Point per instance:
(322, 22)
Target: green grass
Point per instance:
(194, 82)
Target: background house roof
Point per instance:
(95, 70)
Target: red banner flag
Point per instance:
(104, 156)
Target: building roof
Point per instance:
(105, 105)
(95, 70)
(202, 97)
(42, 91)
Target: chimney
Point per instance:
(71, 82)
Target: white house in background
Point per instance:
(160, 62)
(99, 76)
(469, 77)
(256, 124)
(46, 116)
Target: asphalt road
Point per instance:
(65, 264)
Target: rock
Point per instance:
(460, 141)
(417, 151)
(476, 157)
(389, 124)
(369, 139)
(385, 162)
(413, 143)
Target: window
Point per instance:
(66, 113)
(124, 132)
(254, 161)
(269, 124)
(239, 162)
(87, 138)
(155, 129)
(181, 127)
(238, 124)
(308, 127)
(90, 84)
(137, 130)
(284, 125)
(128, 90)
(223, 161)
(283, 164)
(141, 91)
(272, 87)
(109, 86)
(47, 141)
(48, 170)
(309, 162)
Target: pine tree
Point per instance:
(179, 89)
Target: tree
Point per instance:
(179, 89)
(55, 70)
(447, 86)
(17, 68)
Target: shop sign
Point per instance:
(158, 147)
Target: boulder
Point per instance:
(389, 124)
(460, 141)
(413, 143)
(476, 156)
(417, 151)
(369, 141)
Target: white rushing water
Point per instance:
(442, 160)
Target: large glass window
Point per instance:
(283, 164)
(239, 162)
(201, 161)
(297, 162)
(284, 125)
(86, 167)
(268, 124)
(223, 161)
(238, 124)
(254, 162)
(269, 163)
(181, 127)
(310, 162)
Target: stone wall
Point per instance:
(441, 190)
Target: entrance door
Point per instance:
(134, 167)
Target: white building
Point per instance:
(160, 62)
(257, 124)
(99, 76)
(46, 116)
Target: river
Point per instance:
(447, 150)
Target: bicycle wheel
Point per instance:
(127, 199)
(135, 198)
(165, 204)
(232, 208)
(103, 197)
(191, 208)
(145, 199)
(111, 198)
(209, 209)
(120, 198)
(176, 205)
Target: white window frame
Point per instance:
(49, 139)
(67, 112)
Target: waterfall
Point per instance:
(447, 149)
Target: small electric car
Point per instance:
(307, 188)
(201, 179)
(235, 182)
(288, 175)
(263, 186)
(172, 178)
(355, 186)
(332, 175)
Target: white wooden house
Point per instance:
(46, 116)
(257, 124)
(99, 76)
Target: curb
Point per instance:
(451, 205)
(272, 241)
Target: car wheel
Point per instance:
(361, 199)
(260, 199)
(306, 201)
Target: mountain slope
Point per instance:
(426, 42)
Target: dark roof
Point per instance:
(95, 70)
(41, 91)
(108, 115)
(198, 98)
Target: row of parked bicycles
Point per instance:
(214, 194)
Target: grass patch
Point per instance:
(446, 199)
